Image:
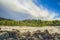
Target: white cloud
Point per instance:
(28, 6)
(57, 19)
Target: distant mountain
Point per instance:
(1, 18)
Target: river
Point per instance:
(51, 29)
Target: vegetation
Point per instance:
(9, 22)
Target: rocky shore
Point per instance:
(15, 34)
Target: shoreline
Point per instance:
(51, 29)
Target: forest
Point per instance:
(38, 23)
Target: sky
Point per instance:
(30, 9)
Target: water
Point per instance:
(51, 29)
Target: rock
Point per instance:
(4, 35)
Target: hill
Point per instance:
(10, 22)
(4, 19)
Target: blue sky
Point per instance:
(52, 5)
(30, 9)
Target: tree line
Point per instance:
(29, 23)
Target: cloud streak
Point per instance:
(29, 7)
